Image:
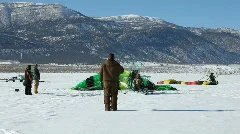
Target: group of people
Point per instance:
(109, 72)
(31, 78)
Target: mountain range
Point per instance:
(51, 33)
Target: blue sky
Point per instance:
(188, 13)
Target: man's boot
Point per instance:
(107, 103)
(26, 91)
(107, 107)
(29, 91)
(35, 90)
(114, 103)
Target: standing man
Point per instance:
(28, 80)
(110, 72)
(36, 78)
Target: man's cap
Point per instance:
(28, 67)
(111, 56)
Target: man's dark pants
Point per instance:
(110, 95)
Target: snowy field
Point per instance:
(193, 109)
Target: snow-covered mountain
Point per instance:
(137, 22)
(53, 33)
(22, 13)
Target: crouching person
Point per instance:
(138, 83)
(110, 72)
(212, 78)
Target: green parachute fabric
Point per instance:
(94, 83)
(164, 87)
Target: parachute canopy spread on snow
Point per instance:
(94, 83)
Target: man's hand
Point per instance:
(101, 83)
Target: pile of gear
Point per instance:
(211, 81)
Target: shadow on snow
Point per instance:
(126, 110)
(194, 110)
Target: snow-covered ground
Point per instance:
(57, 110)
